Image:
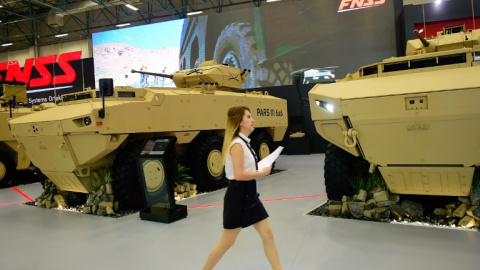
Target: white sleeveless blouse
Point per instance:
(248, 160)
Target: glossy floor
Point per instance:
(35, 238)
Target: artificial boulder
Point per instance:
(412, 209)
(356, 208)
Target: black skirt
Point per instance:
(242, 206)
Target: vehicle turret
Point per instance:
(444, 41)
(10, 94)
(208, 76)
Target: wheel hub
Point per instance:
(3, 170)
(264, 151)
(154, 175)
(215, 163)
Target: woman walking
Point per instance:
(242, 206)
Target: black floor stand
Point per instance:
(164, 215)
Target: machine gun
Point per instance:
(168, 76)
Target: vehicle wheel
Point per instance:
(236, 46)
(340, 168)
(206, 162)
(7, 169)
(262, 143)
(125, 179)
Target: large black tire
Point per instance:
(205, 160)
(28, 177)
(7, 169)
(236, 46)
(75, 199)
(340, 168)
(262, 143)
(277, 74)
(125, 179)
(42, 178)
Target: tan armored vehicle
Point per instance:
(416, 118)
(68, 143)
(12, 156)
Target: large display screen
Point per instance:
(151, 48)
(272, 41)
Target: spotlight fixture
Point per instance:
(122, 24)
(131, 7)
(7, 44)
(61, 35)
(194, 13)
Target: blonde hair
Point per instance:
(234, 117)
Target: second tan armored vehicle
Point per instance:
(68, 143)
(12, 155)
(416, 118)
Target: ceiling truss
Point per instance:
(36, 22)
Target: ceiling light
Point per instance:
(131, 7)
(7, 44)
(194, 13)
(1, 6)
(122, 24)
(272, 1)
(61, 35)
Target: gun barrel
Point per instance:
(424, 41)
(153, 74)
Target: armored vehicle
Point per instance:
(70, 142)
(415, 118)
(12, 155)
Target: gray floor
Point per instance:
(35, 238)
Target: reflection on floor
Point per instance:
(37, 238)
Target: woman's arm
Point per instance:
(236, 151)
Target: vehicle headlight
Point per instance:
(87, 121)
(327, 106)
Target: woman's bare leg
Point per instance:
(225, 243)
(266, 233)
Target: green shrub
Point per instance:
(368, 183)
(182, 176)
(101, 177)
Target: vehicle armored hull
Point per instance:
(70, 141)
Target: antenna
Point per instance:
(473, 15)
(424, 25)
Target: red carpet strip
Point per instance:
(268, 200)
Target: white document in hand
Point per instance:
(268, 161)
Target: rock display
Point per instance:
(379, 205)
(100, 201)
(184, 190)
